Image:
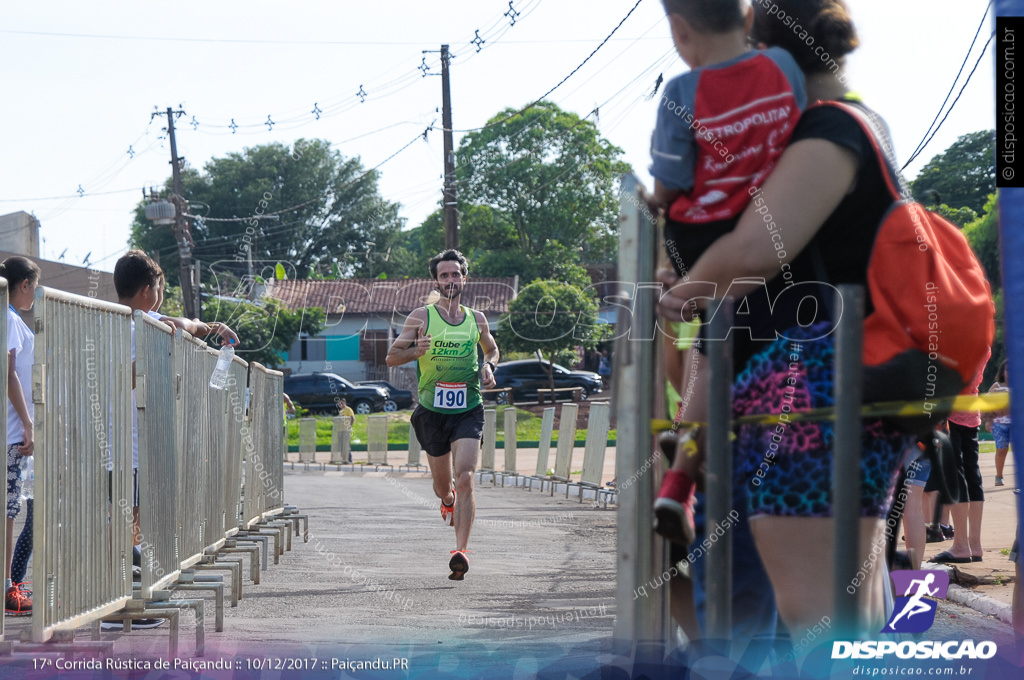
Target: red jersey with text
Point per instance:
(722, 128)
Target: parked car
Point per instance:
(397, 399)
(320, 392)
(526, 376)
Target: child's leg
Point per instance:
(23, 550)
(10, 548)
(1000, 462)
(673, 508)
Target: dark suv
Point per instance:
(320, 392)
(526, 376)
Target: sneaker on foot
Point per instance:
(448, 511)
(999, 481)
(16, 603)
(673, 509)
(459, 564)
(947, 531)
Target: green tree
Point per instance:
(332, 212)
(266, 330)
(983, 235)
(961, 217)
(547, 176)
(551, 317)
(962, 175)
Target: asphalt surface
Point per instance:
(373, 581)
(371, 587)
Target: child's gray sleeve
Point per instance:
(673, 150)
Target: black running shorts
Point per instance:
(436, 431)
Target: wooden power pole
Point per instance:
(181, 231)
(451, 217)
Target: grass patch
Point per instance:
(527, 429)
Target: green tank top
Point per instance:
(449, 375)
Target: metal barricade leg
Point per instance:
(249, 537)
(254, 557)
(197, 608)
(846, 459)
(234, 566)
(719, 478)
(187, 582)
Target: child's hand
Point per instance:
(28, 444)
(227, 336)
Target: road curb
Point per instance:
(983, 604)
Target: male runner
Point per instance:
(442, 338)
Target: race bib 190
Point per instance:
(449, 395)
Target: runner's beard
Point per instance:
(450, 291)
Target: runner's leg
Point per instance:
(441, 472)
(466, 453)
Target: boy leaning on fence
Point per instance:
(139, 283)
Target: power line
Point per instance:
(561, 82)
(966, 83)
(924, 140)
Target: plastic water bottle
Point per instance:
(220, 373)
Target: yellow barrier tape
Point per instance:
(989, 402)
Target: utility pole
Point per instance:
(451, 217)
(181, 231)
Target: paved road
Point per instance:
(373, 580)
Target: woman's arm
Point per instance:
(812, 178)
(17, 396)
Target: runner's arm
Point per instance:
(410, 344)
(490, 347)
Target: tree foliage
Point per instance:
(332, 212)
(266, 330)
(552, 317)
(961, 217)
(539, 180)
(983, 235)
(961, 176)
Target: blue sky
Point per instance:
(81, 80)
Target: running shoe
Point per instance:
(448, 511)
(16, 603)
(999, 481)
(673, 509)
(459, 564)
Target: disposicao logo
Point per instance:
(913, 613)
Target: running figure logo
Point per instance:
(913, 613)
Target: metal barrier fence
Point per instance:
(547, 426)
(307, 442)
(641, 624)
(157, 361)
(377, 440)
(82, 396)
(566, 443)
(509, 449)
(263, 447)
(489, 442)
(598, 424)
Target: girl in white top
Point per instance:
(22, 279)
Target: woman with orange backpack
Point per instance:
(826, 200)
